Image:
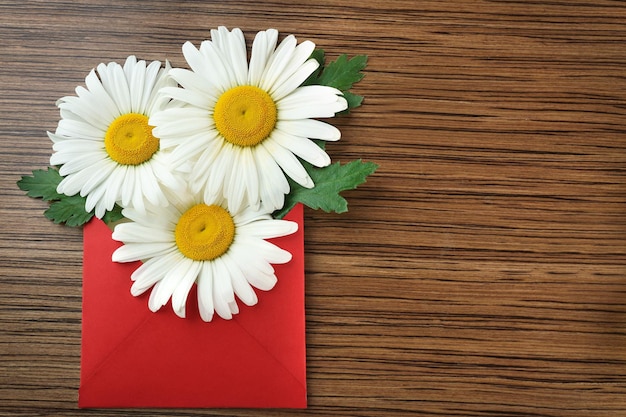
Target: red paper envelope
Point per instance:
(132, 357)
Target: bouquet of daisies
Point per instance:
(195, 168)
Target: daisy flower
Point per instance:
(244, 125)
(103, 142)
(197, 241)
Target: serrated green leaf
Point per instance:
(353, 100)
(42, 184)
(69, 210)
(319, 56)
(113, 216)
(343, 72)
(329, 182)
(63, 209)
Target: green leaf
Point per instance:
(329, 182)
(63, 209)
(353, 101)
(42, 184)
(343, 73)
(69, 210)
(317, 55)
(113, 216)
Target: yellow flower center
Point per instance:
(204, 232)
(245, 115)
(129, 140)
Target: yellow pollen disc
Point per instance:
(129, 139)
(245, 115)
(204, 232)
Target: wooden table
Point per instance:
(480, 272)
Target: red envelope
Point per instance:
(132, 357)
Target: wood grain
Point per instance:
(480, 272)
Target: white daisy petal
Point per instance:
(170, 282)
(254, 264)
(302, 147)
(309, 128)
(179, 122)
(98, 174)
(95, 200)
(268, 229)
(128, 190)
(265, 161)
(181, 292)
(234, 308)
(263, 282)
(197, 62)
(232, 47)
(205, 292)
(278, 62)
(188, 96)
(272, 182)
(138, 198)
(136, 233)
(106, 104)
(286, 86)
(78, 128)
(239, 59)
(121, 88)
(149, 187)
(83, 110)
(70, 185)
(113, 186)
(152, 271)
(194, 146)
(256, 273)
(311, 101)
(288, 162)
(251, 215)
(55, 138)
(299, 60)
(219, 39)
(76, 162)
(268, 251)
(250, 177)
(135, 72)
(219, 77)
(166, 219)
(241, 287)
(219, 169)
(189, 80)
(237, 184)
(156, 78)
(164, 171)
(262, 48)
(223, 293)
(153, 302)
(138, 251)
(129, 66)
(101, 209)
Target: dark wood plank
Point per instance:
(480, 272)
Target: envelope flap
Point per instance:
(236, 372)
(106, 332)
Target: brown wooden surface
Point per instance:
(480, 272)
